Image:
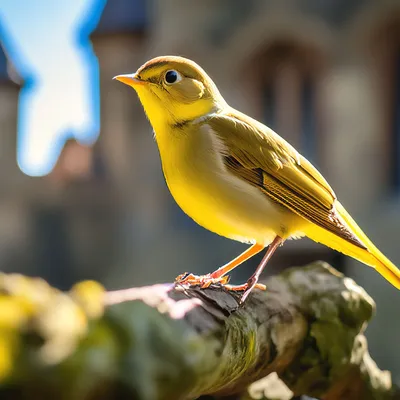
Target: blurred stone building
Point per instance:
(325, 75)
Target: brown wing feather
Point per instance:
(258, 155)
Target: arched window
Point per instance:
(289, 75)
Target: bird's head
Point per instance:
(174, 90)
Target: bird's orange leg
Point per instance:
(252, 282)
(219, 276)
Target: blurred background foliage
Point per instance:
(325, 75)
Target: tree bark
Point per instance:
(164, 342)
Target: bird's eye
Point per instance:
(172, 76)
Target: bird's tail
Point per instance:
(370, 256)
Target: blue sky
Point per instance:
(47, 41)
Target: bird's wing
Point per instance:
(257, 154)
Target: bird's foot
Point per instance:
(248, 287)
(204, 281)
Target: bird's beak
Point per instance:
(129, 79)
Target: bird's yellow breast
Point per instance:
(189, 178)
(220, 202)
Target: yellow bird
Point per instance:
(238, 178)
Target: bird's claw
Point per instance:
(204, 281)
(245, 286)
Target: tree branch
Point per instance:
(163, 342)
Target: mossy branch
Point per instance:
(163, 342)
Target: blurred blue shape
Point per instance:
(123, 16)
(3, 65)
(48, 43)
